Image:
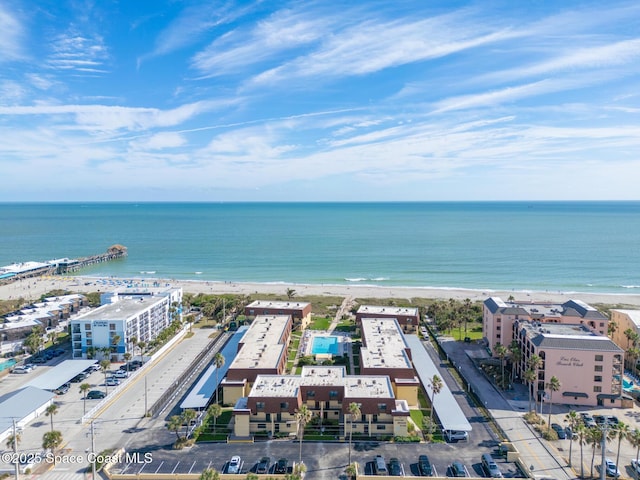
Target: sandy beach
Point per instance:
(33, 288)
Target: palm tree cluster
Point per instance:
(593, 437)
(633, 350)
(454, 313)
(215, 306)
(176, 422)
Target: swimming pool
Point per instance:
(324, 345)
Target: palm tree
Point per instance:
(573, 420)
(628, 333)
(553, 385)
(529, 377)
(84, 388)
(535, 362)
(501, 351)
(187, 417)
(612, 327)
(466, 313)
(594, 438)
(634, 439)
(354, 412)
(209, 474)
(13, 441)
(105, 363)
(142, 345)
(351, 470)
(621, 432)
(175, 424)
(290, 293)
(50, 411)
(127, 357)
(52, 440)
(436, 388)
(214, 412)
(219, 361)
(516, 358)
(303, 416)
(581, 430)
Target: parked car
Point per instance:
(80, 377)
(62, 389)
(559, 431)
(92, 368)
(96, 394)
(57, 352)
(456, 435)
(599, 419)
(612, 420)
(21, 369)
(458, 470)
(611, 469)
(490, 466)
(120, 374)
(424, 466)
(281, 466)
(263, 465)
(38, 360)
(112, 382)
(234, 464)
(380, 466)
(635, 465)
(395, 467)
(588, 420)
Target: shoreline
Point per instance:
(33, 288)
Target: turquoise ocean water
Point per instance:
(554, 246)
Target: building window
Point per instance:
(381, 427)
(498, 328)
(311, 394)
(89, 342)
(260, 405)
(87, 326)
(112, 326)
(284, 405)
(597, 378)
(498, 335)
(382, 407)
(262, 426)
(333, 394)
(599, 358)
(597, 389)
(598, 368)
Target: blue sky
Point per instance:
(313, 101)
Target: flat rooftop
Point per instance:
(261, 344)
(385, 344)
(275, 386)
(569, 337)
(386, 311)
(278, 304)
(123, 308)
(368, 386)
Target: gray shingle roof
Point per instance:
(575, 343)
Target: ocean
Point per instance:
(524, 246)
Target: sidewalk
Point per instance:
(544, 460)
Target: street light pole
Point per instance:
(93, 453)
(15, 449)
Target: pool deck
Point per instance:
(306, 343)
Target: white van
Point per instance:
(380, 466)
(456, 435)
(490, 466)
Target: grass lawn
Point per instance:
(320, 323)
(416, 416)
(322, 305)
(474, 332)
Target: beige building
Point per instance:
(262, 351)
(408, 317)
(625, 321)
(498, 317)
(588, 365)
(385, 389)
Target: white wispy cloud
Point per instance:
(78, 52)
(239, 48)
(11, 36)
(160, 141)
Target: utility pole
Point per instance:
(145, 395)
(93, 453)
(15, 450)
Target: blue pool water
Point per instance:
(8, 364)
(325, 345)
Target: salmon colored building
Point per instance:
(300, 312)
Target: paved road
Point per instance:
(122, 419)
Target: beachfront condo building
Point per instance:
(408, 317)
(266, 402)
(262, 350)
(51, 314)
(141, 316)
(498, 317)
(626, 333)
(588, 365)
(300, 312)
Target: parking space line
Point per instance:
(159, 466)
(193, 465)
(174, 468)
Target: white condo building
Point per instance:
(129, 315)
